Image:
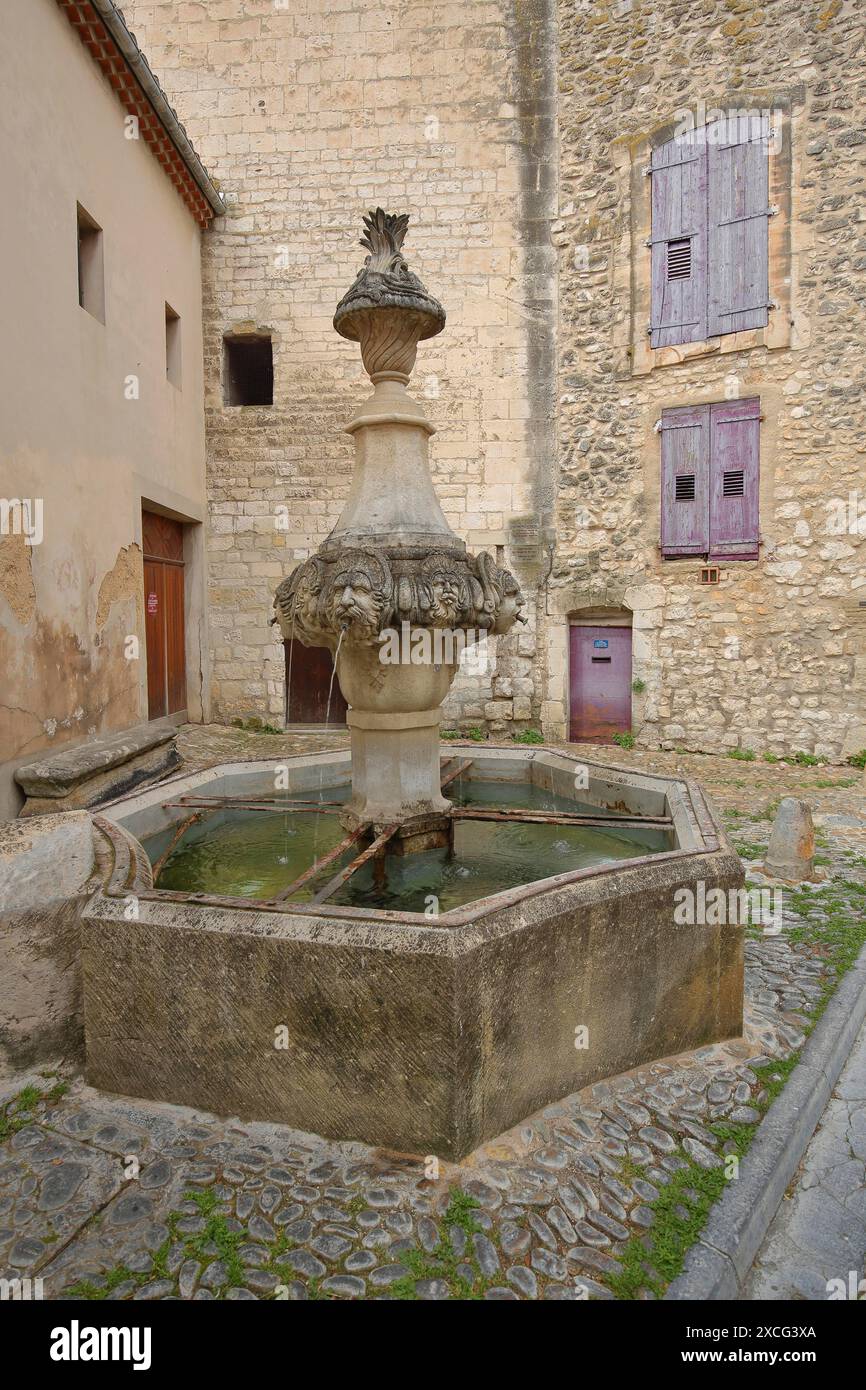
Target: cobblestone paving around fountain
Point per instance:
(597, 1196)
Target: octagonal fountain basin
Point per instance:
(249, 956)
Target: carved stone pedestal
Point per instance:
(395, 766)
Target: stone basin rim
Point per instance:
(131, 870)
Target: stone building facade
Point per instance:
(772, 657)
(309, 114)
(517, 134)
(105, 202)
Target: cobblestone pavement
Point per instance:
(819, 1233)
(596, 1196)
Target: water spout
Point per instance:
(334, 671)
(289, 677)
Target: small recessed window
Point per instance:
(248, 369)
(685, 487)
(679, 260)
(172, 346)
(91, 279)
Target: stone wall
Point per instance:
(309, 114)
(772, 658)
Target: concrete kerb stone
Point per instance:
(718, 1263)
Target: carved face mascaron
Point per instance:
(442, 592)
(511, 604)
(359, 595)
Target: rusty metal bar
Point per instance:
(280, 802)
(456, 772)
(178, 834)
(455, 917)
(318, 864)
(326, 809)
(529, 817)
(340, 878)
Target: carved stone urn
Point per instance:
(392, 591)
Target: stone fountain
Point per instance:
(321, 992)
(392, 572)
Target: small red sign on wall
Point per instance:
(151, 603)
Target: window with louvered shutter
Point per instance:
(679, 242)
(734, 479)
(685, 443)
(710, 243)
(710, 479)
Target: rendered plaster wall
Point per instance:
(72, 436)
(309, 114)
(45, 875)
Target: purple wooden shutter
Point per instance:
(679, 241)
(734, 475)
(737, 238)
(685, 435)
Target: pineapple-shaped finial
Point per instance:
(383, 237)
(387, 309)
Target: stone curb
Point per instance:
(717, 1264)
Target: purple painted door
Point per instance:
(599, 683)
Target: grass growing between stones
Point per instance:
(18, 1112)
(281, 1246)
(216, 1233)
(442, 1263)
(841, 933)
(87, 1291)
(650, 1262)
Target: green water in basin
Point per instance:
(255, 854)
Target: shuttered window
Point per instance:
(709, 242)
(709, 479)
(679, 241)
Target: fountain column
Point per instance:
(392, 591)
(394, 713)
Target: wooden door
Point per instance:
(599, 683)
(154, 634)
(164, 615)
(308, 680)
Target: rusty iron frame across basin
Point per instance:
(132, 877)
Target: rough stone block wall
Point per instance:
(773, 658)
(309, 113)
